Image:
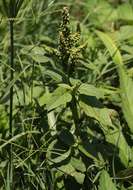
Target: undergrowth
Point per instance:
(66, 95)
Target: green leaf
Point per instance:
(78, 164)
(55, 156)
(117, 138)
(93, 108)
(18, 5)
(32, 50)
(125, 12)
(40, 58)
(37, 91)
(36, 53)
(5, 97)
(44, 99)
(61, 158)
(59, 97)
(90, 90)
(86, 153)
(70, 170)
(54, 75)
(66, 86)
(110, 44)
(113, 135)
(126, 93)
(105, 182)
(126, 83)
(13, 139)
(5, 5)
(79, 177)
(66, 137)
(125, 33)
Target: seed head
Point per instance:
(65, 16)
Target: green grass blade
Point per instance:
(5, 97)
(5, 7)
(126, 83)
(17, 137)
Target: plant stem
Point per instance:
(11, 100)
(74, 110)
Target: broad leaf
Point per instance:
(66, 137)
(59, 97)
(90, 90)
(36, 53)
(86, 153)
(40, 58)
(78, 164)
(70, 170)
(93, 108)
(125, 12)
(79, 177)
(105, 182)
(54, 75)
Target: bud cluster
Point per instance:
(68, 43)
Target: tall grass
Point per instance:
(11, 99)
(11, 9)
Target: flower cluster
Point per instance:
(68, 43)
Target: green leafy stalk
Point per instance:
(11, 98)
(11, 9)
(8, 8)
(74, 110)
(69, 50)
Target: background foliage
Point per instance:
(73, 95)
